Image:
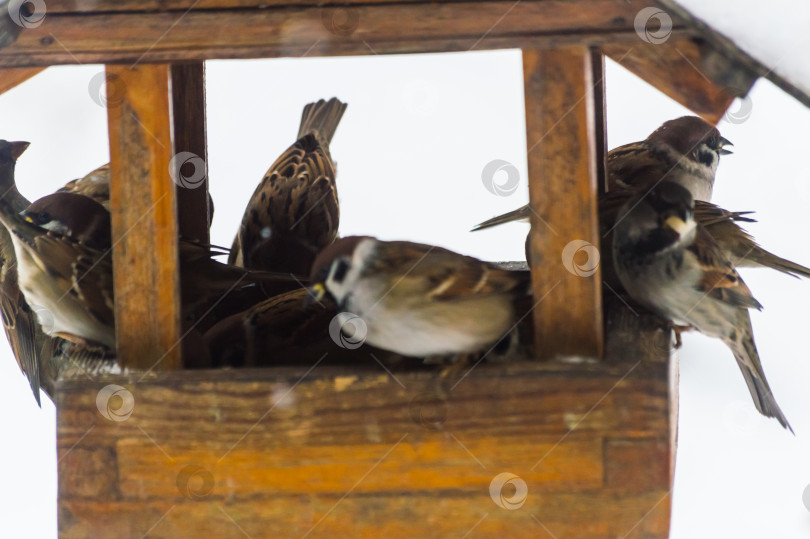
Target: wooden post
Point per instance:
(142, 202)
(188, 107)
(564, 241)
(600, 118)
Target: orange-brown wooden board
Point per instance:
(142, 203)
(315, 30)
(564, 244)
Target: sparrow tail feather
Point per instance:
(745, 352)
(322, 118)
(514, 215)
(759, 257)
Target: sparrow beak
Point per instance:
(721, 146)
(315, 294)
(17, 148)
(679, 225)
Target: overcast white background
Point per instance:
(410, 151)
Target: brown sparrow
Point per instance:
(670, 264)
(685, 150)
(294, 212)
(419, 300)
(20, 323)
(95, 185)
(63, 245)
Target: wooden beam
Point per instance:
(190, 149)
(600, 118)
(142, 202)
(123, 36)
(679, 69)
(564, 240)
(339, 451)
(11, 77)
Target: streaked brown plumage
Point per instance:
(294, 211)
(670, 264)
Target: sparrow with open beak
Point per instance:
(419, 300)
(670, 264)
(294, 212)
(635, 168)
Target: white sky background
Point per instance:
(410, 149)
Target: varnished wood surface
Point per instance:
(336, 449)
(142, 203)
(678, 69)
(561, 139)
(11, 77)
(295, 30)
(191, 180)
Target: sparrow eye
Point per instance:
(42, 218)
(339, 273)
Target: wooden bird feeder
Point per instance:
(325, 451)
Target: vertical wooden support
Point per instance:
(600, 118)
(142, 202)
(563, 195)
(188, 108)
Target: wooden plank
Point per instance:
(600, 118)
(191, 151)
(142, 203)
(337, 451)
(562, 187)
(294, 31)
(678, 68)
(12, 77)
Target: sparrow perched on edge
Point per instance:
(294, 212)
(670, 264)
(419, 300)
(68, 239)
(20, 323)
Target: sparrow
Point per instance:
(670, 264)
(685, 150)
(294, 211)
(95, 185)
(418, 300)
(268, 332)
(29, 344)
(63, 245)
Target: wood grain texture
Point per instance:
(679, 69)
(191, 182)
(142, 203)
(600, 118)
(120, 36)
(11, 77)
(561, 139)
(350, 452)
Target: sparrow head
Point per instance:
(337, 268)
(75, 216)
(11, 151)
(693, 138)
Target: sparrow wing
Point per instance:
(633, 166)
(720, 280)
(77, 269)
(20, 324)
(444, 275)
(738, 244)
